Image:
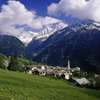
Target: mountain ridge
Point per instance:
(89, 24)
(10, 45)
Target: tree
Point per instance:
(15, 56)
(15, 65)
(1, 63)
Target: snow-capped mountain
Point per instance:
(27, 37)
(45, 33)
(49, 35)
(60, 26)
(89, 24)
(48, 31)
(43, 36)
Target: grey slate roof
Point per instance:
(82, 81)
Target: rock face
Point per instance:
(10, 45)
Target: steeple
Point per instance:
(68, 64)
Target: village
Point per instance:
(66, 73)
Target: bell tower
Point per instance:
(68, 64)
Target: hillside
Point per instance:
(81, 47)
(20, 86)
(10, 45)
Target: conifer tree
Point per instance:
(15, 64)
(15, 56)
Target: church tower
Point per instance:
(68, 64)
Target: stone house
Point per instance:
(32, 67)
(39, 72)
(29, 72)
(65, 76)
(75, 69)
(49, 71)
(6, 64)
(43, 67)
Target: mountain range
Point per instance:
(42, 36)
(79, 43)
(41, 42)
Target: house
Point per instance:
(32, 67)
(46, 67)
(70, 74)
(39, 72)
(42, 67)
(81, 82)
(6, 64)
(49, 71)
(58, 68)
(57, 73)
(62, 71)
(65, 76)
(29, 72)
(75, 69)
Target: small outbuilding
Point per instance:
(82, 82)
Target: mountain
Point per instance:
(27, 37)
(10, 45)
(43, 36)
(60, 26)
(81, 47)
(90, 24)
(38, 39)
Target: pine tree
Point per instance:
(1, 63)
(15, 56)
(15, 65)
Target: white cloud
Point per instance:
(81, 9)
(15, 13)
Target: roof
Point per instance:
(39, 70)
(82, 81)
(31, 66)
(65, 74)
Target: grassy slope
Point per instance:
(19, 86)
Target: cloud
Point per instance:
(15, 13)
(81, 9)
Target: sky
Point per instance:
(21, 16)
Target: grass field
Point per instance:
(20, 86)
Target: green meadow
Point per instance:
(21, 86)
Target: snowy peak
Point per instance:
(89, 24)
(46, 31)
(27, 37)
(60, 26)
